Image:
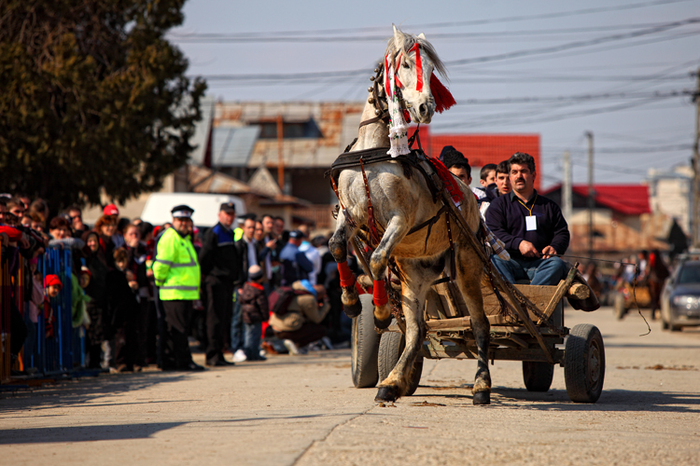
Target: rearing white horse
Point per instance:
(401, 203)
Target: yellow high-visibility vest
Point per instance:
(176, 269)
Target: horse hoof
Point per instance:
(353, 310)
(389, 393)
(482, 398)
(382, 324)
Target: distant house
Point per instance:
(622, 219)
(671, 194)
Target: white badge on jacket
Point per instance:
(530, 223)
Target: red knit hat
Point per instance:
(52, 280)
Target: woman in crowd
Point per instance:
(96, 263)
(105, 228)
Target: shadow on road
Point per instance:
(65, 434)
(83, 433)
(81, 391)
(558, 400)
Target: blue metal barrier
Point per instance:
(63, 351)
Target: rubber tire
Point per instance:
(391, 346)
(675, 328)
(664, 324)
(584, 364)
(619, 306)
(537, 376)
(364, 346)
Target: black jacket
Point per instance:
(220, 258)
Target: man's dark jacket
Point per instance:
(506, 219)
(220, 258)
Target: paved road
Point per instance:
(303, 410)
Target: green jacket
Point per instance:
(176, 269)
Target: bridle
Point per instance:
(381, 87)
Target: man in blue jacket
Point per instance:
(294, 263)
(531, 226)
(222, 269)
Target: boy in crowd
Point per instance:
(255, 310)
(503, 178)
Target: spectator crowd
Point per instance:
(248, 286)
(144, 294)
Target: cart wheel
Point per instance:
(391, 346)
(365, 343)
(619, 306)
(537, 376)
(584, 364)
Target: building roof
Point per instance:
(337, 122)
(233, 145)
(626, 199)
(201, 131)
(205, 180)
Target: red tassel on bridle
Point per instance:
(443, 97)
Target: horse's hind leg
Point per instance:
(338, 245)
(418, 280)
(469, 281)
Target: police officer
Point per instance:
(177, 276)
(222, 268)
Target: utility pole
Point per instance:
(591, 193)
(566, 200)
(280, 155)
(695, 230)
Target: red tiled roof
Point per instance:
(481, 149)
(627, 199)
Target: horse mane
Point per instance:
(408, 40)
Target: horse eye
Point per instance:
(406, 65)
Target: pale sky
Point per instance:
(557, 68)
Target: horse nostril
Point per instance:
(423, 109)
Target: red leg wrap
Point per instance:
(379, 295)
(361, 290)
(347, 278)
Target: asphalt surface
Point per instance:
(303, 410)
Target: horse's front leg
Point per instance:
(418, 280)
(396, 230)
(469, 270)
(338, 245)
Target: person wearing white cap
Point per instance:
(177, 276)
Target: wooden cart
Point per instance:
(536, 343)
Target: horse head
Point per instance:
(414, 60)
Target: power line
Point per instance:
(573, 45)
(481, 120)
(506, 19)
(291, 77)
(222, 38)
(578, 97)
(628, 150)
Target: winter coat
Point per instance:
(254, 305)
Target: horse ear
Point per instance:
(421, 36)
(398, 39)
